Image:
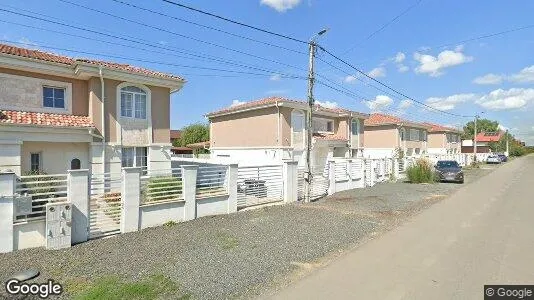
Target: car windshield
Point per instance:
(447, 164)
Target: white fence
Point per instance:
(318, 181)
(259, 185)
(105, 204)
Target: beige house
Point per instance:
(386, 135)
(443, 140)
(275, 128)
(59, 113)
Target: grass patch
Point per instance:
(169, 224)
(227, 241)
(112, 288)
(162, 188)
(421, 172)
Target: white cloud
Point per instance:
(402, 68)
(489, 79)
(450, 102)
(532, 128)
(404, 104)
(506, 99)
(27, 43)
(281, 5)
(434, 66)
(327, 104)
(350, 79)
(501, 127)
(400, 57)
(525, 75)
(237, 102)
(377, 72)
(380, 102)
(275, 77)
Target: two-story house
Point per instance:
(443, 140)
(387, 136)
(59, 113)
(275, 128)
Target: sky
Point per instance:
(431, 51)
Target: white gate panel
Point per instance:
(259, 185)
(105, 205)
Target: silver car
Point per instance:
(493, 159)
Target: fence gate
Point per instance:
(319, 184)
(259, 185)
(105, 205)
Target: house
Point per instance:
(483, 140)
(443, 140)
(386, 135)
(274, 128)
(175, 135)
(59, 113)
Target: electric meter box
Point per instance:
(58, 225)
(22, 205)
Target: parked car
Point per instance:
(449, 170)
(503, 157)
(493, 159)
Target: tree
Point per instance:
(482, 125)
(194, 133)
(515, 147)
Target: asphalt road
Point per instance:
(482, 234)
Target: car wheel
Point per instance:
(462, 182)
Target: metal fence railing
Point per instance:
(38, 190)
(105, 204)
(160, 186)
(259, 185)
(341, 171)
(212, 180)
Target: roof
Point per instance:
(205, 144)
(65, 60)
(176, 134)
(44, 119)
(440, 128)
(378, 119)
(490, 136)
(272, 101)
(181, 149)
(329, 137)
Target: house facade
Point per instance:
(443, 140)
(483, 140)
(386, 136)
(59, 113)
(273, 129)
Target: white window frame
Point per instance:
(300, 112)
(64, 107)
(40, 162)
(414, 135)
(134, 157)
(134, 106)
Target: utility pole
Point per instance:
(309, 119)
(475, 138)
(507, 145)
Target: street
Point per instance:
(482, 234)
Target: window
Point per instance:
(35, 162)
(414, 135)
(422, 135)
(297, 121)
(53, 97)
(133, 102)
(323, 125)
(134, 157)
(75, 164)
(417, 151)
(355, 127)
(403, 134)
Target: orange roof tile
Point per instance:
(329, 137)
(490, 136)
(44, 119)
(440, 128)
(273, 100)
(377, 119)
(55, 58)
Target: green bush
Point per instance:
(162, 188)
(421, 172)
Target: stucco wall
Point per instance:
(255, 128)
(20, 90)
(161, 111)
(436, 140)
(381, 137)
(55, 157)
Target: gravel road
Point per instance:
(239, 255)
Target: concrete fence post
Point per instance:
(189, 188)
(78, 196)
(7, 192)
(231, 185)
(396, 168)
(131, 198)
(331, 177)
(290, 178)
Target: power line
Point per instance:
(200, 25)
(153, 62)
(142, 41)
(387, 86)
(384, 26)
(235, 22)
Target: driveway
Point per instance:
(482, 234)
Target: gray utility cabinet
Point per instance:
(58, 225)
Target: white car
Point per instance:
(493, 159)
